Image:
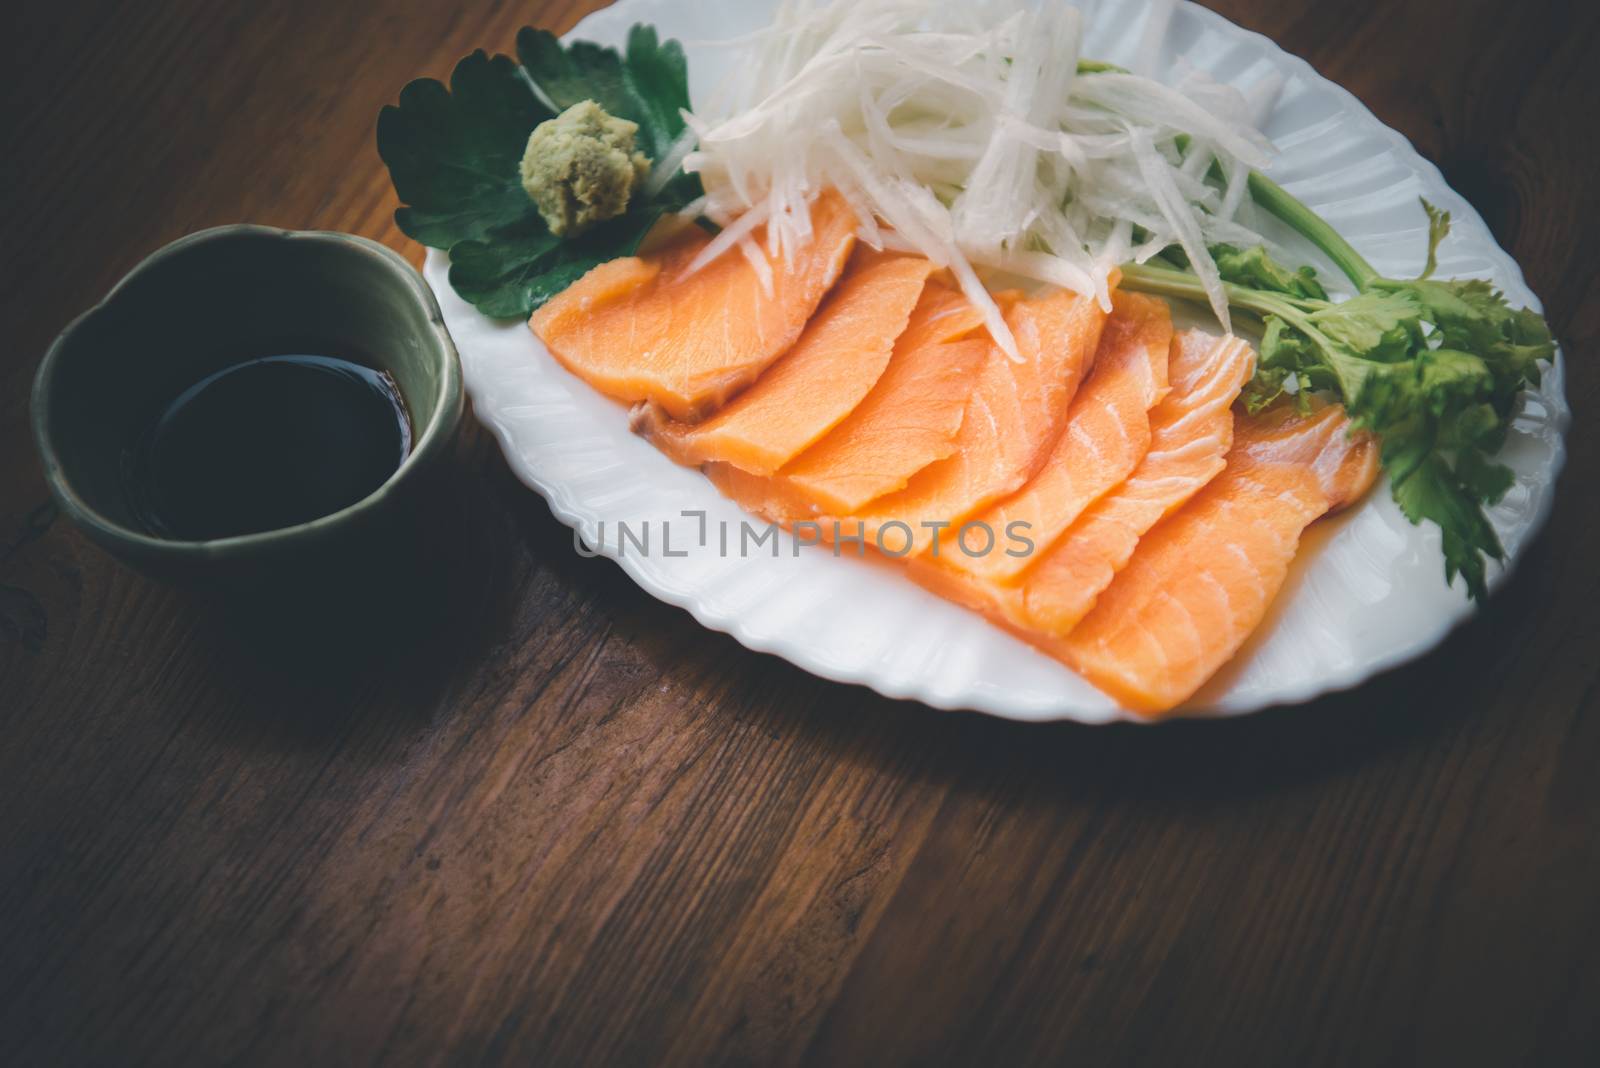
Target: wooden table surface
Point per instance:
(548, 820)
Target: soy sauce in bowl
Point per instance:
(268, 443)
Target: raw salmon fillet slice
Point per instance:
(1107, 434)
(1202, 580)
(908, 420)
(1191, 430)
(839, 357)
(1012, 419)
(636, 330)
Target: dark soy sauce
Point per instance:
(268, 443)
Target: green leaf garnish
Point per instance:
(1435, 492)
(1438, 227)
(657, 76)
(1433, 367)
(518, 270)
(453, 156)
(1253, 267)
(565, 75)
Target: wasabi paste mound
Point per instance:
(580, 168)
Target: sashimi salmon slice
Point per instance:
(839, 357)
(636, 329)
(1010, 424)
(1202, 580)
(908, 420)
(1107, 434)
(1191, 430)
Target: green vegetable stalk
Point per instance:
(1433, 367)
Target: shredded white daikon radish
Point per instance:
(664, 168)
(967, 133)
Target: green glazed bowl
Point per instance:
(201, 304)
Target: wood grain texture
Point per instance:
(535, 817)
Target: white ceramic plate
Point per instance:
(1368, 591)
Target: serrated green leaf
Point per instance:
(567, 75)
(1405, 448)
(516, 272)
(454, 157)
(1282, 346)
(1482, 477)
(1377, 326)
(1281, 353)
(1478, 426)
(1435, 493)
(1450, 380)
(657, 76)
(1386, 394)
(1255, 268)
(501, 277)
(452, 153)
(1438, 230)
(1470, 313)
(649, 86)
